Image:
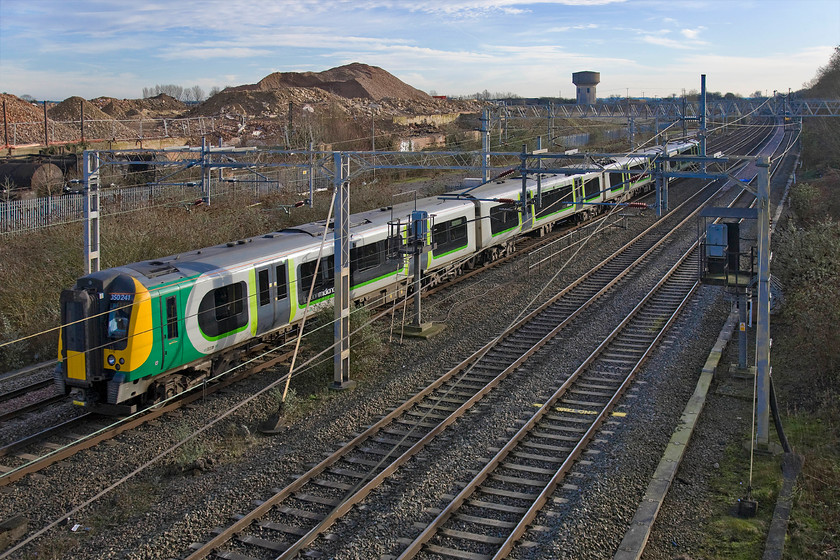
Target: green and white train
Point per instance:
(135, 334)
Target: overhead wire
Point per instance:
(262, 391)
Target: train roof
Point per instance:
(509, 188)
(277, 244)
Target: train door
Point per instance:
(282, 303)
(577, 189)
(265, 309)
(172, 326)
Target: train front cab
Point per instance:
(106, 333)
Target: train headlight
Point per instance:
(111, 360)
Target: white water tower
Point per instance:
(586, 82)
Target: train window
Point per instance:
(264, 287)
(459, 229)
(371, 262)
(223, 310)
(555, 201)
(395, 243)
(74, 329)
(282, 284)
(440, 234)
(171, 317)
(617, 181)
(637, 173)
(324, 282)
(503, 218)
(118, 316)
(450, 236)
(591, 188)
(367, 256)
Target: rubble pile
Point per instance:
(98, 124)
(20, 111)
(158, 107)
(354, 80)
(356, 93)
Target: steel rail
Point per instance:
(416, 545)
(131, 423)
(25, 370)
(43, 434)
(34, 386)
(243, 522)
(32, 406)
(521, 526)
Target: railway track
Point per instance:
(26, 391)
(44, 448)
(308, 507)
(296, 515)
(38, 451)
(497, 505)
(495, 508)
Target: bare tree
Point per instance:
(214, 90)
(173, 90)
(197, 93)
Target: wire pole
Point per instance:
(341, 234)
(762, 348)
(91, 209)
(485, 146)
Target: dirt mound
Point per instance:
(98, 124)
(18, 110)
(163, 102)
(354, 80)
(26, 123)
(260, 104)
(274, 103)
(70, 110)
(116, 108)
(160, 106)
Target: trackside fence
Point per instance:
(17, 216)
(61, 132)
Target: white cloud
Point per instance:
(689, 41)
(478, 7)
(692, 34)
(216, 52)
(666, 42)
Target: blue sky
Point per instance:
(52, 49)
